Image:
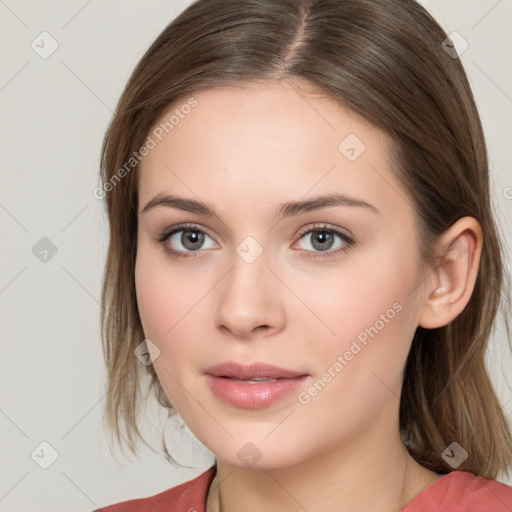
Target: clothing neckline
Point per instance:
(422, 493)
(212, 471)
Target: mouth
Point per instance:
(254, 385)
(251, 372)
(249, 381)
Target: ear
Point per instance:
(452, 281)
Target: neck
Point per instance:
(370, 472)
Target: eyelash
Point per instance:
(322, 228)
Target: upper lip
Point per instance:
(247, 371)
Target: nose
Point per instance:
(249, 300)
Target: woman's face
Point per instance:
(261, 281)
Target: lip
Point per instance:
(255, 395)
(251, 370)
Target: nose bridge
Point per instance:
(247, 277)
(247, 298)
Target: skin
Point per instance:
(245, 150)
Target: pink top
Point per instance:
(457, 491)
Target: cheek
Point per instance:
(163, 302)
(171, 310)
(163, 295)
(358, 373)
(153, 296)
(369, 321)
(367, 290)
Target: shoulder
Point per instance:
(460, 491)
(189, 496)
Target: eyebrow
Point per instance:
(287, 209)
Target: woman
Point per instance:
(304, 258)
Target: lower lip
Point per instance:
(253, 396)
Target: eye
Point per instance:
(188, 238)
(322, 239)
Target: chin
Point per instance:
(260, 453)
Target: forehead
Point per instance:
(263, 143)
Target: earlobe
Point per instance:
(453, 279)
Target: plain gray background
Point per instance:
(54, 112)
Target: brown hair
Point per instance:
(383, 59)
